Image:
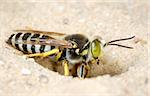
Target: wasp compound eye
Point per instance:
(95, 48)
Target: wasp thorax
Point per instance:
(78, 39)
(82, 43)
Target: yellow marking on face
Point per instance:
(74, 44)
(84, 52)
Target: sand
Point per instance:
(122, 72)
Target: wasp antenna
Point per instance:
(121, 46)
(121, 39)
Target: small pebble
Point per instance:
(1, 91)
(139, 40)
(107, 14)
(24, 57)
(12, 82)
(81, 20)
(66, 21)
(25, 71)
(43, 79)
(1, 62)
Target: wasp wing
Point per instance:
(49, 41)
(41, 32)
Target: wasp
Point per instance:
(70, 50)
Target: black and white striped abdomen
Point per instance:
(28, 48)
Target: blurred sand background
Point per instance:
(110, 19)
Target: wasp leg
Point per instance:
(45, 54)
(83, 71)
(66, 68)
(93, 61)
(87, 70)
(58, 56)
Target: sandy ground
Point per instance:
(110, 20)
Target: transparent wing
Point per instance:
(41, 32)
(49, 41)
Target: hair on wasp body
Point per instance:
(71, 50)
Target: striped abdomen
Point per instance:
(28, 48)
